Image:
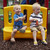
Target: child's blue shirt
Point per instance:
(18, 23)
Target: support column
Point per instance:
(46, 3)
(4, 3)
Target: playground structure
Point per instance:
(46, 2)
(8, 2)
(8, 27)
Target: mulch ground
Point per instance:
(24, 44)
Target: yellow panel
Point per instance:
(8, 27)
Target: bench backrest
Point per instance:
(29, 11)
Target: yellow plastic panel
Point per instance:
(8, 27)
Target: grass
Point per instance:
(1, 11)
(49, 11)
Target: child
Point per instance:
(35, 16)
(18, 24)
